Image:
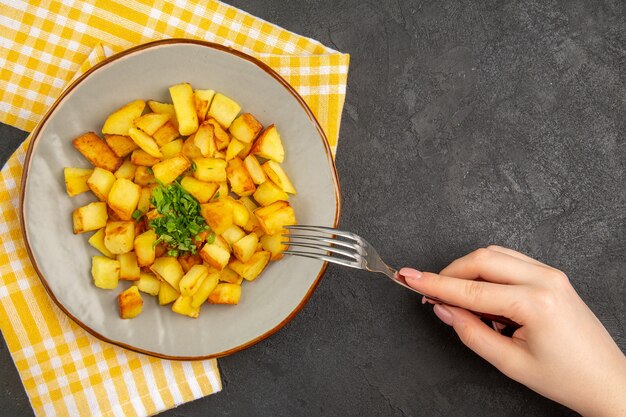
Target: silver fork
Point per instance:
(347, 249)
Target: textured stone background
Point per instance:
(466, 124)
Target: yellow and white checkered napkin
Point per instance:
(64, 369)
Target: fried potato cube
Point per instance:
(222, 191)
(274, 244)
(224, 110)
(144, 176)
(151, 122)
(248, 203)
(129, 269)
(254, 169)
(275, 217)
(123, 197)
(122, 145)
(167, 294)
(97, 151)
(228, 275)
(93, 216)
(145, 142)
(252, 269)
(245, 128)
(168, 269)
(277, 174)
(222, 138)
(119, 236)
(183, 306)
(167, 171)
(225, 293)
(105, 272)
(206, 287)
(215, 255)
(246, 151)
(201, 190)
(172, 149)
(121, 119)
(148, 283)
(190, 150)
(126, 170)
(97, 241)
(166, 134)
(269, 145)
(234, 147)
(185, 107)
(268, 193)
(240, 181)
(241, 215)
(144, 248)
(76, 180)
(210, 169)
(202, 100)
(191, 281)
(233, 234)
(143, 204)
(245, 247)
(142, 158)
(218, 215)
(130, 303)
(204, 140)
(164, 108)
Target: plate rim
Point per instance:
(35, 137)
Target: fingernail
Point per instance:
(443, 313)
(424, 300)
(410, 273)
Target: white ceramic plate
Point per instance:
(63, 260)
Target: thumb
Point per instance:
(502, 352)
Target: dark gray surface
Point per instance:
(466, 124)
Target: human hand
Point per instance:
(561, 350)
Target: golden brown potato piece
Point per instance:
(145, 142)
(202, 100)
(168, 269)
(277, 174)
(130, 303)
(245, 247)
(215, 255)
(269, 145)
(205, 288)
(192, 279)
(105, 272)
(126, 170)
(188, 260)
(167, 294)
(218, 215)
(121, 120)
(233, 234)
(172, 149)
(224, 110)
(210, 169)
(97, 241)
(144, 248)
(228, 275)
(119, 236)
(100, 183)
(76, 180)
(204, 140)
(129, 269)
(275, 217)
(234, 147)
(245, 128)
(148, 283)
(225, 293)
(93, 216)
(144, 176)
(201, 190)
(123, 198)
(151, 122)
(222, 138)
(183, 306)
(120, 144)
(273, 244)
(167, 171)
(254, 169)
(268, 193)
(142, 158)
(97, 151)
(164, 108)
(166, 133)
(182, 97)
(240, 181)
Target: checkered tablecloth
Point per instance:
(43, 46)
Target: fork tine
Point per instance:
(326, 258)
(321, 239)
(354, 256)
(324, 229)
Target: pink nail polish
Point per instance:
(410, 273)
(443, 313)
